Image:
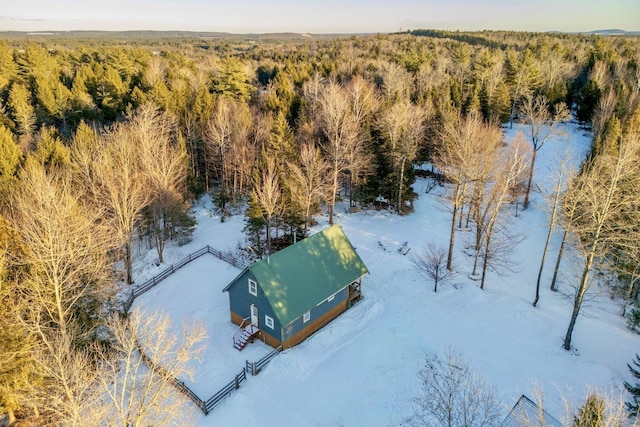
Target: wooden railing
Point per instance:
(240, 328)
(155, 280)
(225, 391)
(255, 367)
(205, 405)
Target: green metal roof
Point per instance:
(302, 275)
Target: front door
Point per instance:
(254, 315)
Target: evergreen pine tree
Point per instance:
(634, 389)
(592, 413)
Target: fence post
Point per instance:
(237, 382)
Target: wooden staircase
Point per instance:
(244, 335)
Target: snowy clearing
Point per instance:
(361, 369)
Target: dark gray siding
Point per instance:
(298, 325)
(240, 301)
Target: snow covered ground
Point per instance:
(361, 369)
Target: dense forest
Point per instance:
(105, 141)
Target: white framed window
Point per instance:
(253, 288)
(268, 321)
(331, 298)
(306, 317)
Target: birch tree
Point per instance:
(341, 131)
(308, 183)
(464, 139)
(364, 103)
(402, 127)
(555, 199)
(267, 195)
(603, 209)
(496, 243)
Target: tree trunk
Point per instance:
(554, 286)
(127, 261)
(513, 105)
(268, 236)
(525, 205)
(452, 237)
(580, 293)
(475, 263)
(552, 223)
(400, 185)
(485, 261)
(334, 191)
(632, 281)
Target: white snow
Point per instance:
(361, 369)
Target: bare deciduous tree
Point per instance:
(136, 394)
(603, 208)
(124, 194)
(218, 140)
(541, 125)
(433, 262)
(555, 199)
(495, 240)
(66, 243)
(164, 162)
(69, 395)
(308, 183)
(402, 127)
(465, 142)
(267, 193)
(341, 131)
(453, 395)
(364, 103)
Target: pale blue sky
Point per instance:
(242, 16)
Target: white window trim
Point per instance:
(268, 321)
(306, 316)
(255, 287)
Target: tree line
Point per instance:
(105, 143)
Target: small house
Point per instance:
(286, 297)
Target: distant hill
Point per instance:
(149, 34)
(614, 32)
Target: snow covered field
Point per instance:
(361, 369)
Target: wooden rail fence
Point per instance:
(155, 280)
(225, 391)
(253, 367)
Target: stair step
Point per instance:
(248, 332)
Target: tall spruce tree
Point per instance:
(634, 389)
